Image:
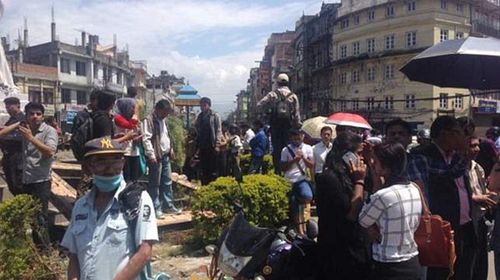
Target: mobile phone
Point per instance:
(350, 157)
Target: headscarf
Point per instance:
(125, 107)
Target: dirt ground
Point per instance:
(176, 256)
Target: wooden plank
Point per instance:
(182, 182)
(63, 196)
(66, 166)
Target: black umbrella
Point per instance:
(472, 63)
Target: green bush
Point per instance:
(19, 257)
(177, 135)
(267, 165)
(264, 199)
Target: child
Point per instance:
(235, 147)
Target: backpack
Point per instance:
(282, 111)
(82, 132)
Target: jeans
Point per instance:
(208, 162)
(256, 165)
(279, 139)
(131, 169)
(160, 184)
(13, 170)
(41, 191)
(406, 270)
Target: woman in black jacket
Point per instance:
(344, 248)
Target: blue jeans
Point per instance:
(256, 165)
(160, 184)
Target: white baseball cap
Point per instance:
(283, 78)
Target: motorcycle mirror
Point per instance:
(259, 277)
(210, 249)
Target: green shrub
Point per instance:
(20, 258)
(264, 199)
(267, 165)
(177, 135)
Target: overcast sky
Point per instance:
(211, 43)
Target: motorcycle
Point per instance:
(246, 252)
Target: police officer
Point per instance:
(100, 240)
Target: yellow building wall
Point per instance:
(427, 21)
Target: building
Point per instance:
(373, 39)
(312, 75)
(486, 22)
(79, 70)
(242, 100)
(164, 85)
(278, 58)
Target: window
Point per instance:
(356, 19)
(460, 7)
(444, 5)
(389, 42)
(370, 74)
(444, 35)
(64, 65)
(344, 23)
(459, 35)
(459, 101)
(411, 39)
(389, 11)
(81, 97)
(412, 5)
(65, 95)
(371, 15)
(355, 48)
(343, 78)
(355, 104)
(119, 78)
(410, 101)
(370, 45)
(343, 105)
(48, 97)
(443, 100)
(370, 103)
(34, 95)
(389, 102)
(389, 72)
(81, 68)
(355, 76)
(343, 51)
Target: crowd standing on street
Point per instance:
(371, 190)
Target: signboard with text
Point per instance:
(487, 107)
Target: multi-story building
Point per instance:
(373, 39)
(486, 22)
(242, 100)
(79, 70)
(278, 58)
(312, 75)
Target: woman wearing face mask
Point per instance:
(126, 121)
(99, 236)
(395, 209)
(343, 244)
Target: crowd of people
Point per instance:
(370, 190)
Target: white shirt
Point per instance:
(320, 151)
(235, 144)
(249, 135)
(293, 174)
(164, 138)
(396, 211)
(103, 245)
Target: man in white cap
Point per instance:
(285, 114)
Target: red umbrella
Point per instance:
(348, 119)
